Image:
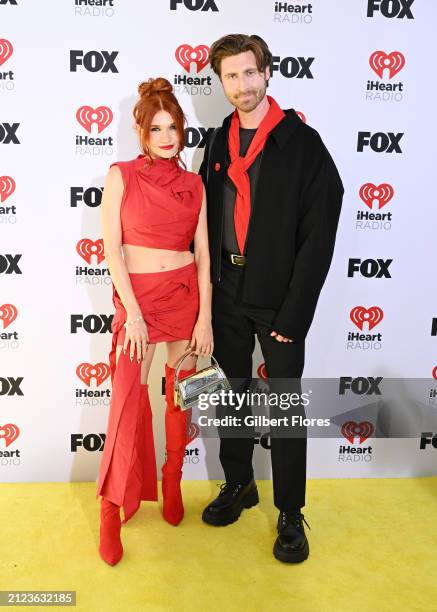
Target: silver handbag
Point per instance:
(209, 380)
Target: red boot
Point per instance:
(111, 548)
(142, 482)
(177, 423)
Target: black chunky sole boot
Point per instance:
(231, 501)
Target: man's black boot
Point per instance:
(227, 507)
(291, 545)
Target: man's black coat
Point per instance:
(294, 217)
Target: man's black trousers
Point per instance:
(234, 326)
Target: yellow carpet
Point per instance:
(373, 547)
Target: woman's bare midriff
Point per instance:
(140, 259)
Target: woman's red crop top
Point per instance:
(161, 204)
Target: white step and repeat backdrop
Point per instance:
(359, 71)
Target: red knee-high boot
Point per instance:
(111, 548)
(142, 479)
(177, 423)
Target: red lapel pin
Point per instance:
(217, 167)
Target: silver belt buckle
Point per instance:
(238, 260)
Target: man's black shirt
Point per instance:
(230, 243)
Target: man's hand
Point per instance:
(280, 338)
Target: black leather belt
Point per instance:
(236, 260)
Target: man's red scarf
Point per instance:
(237, 171)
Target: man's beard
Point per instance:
(246, 106)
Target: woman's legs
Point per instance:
(175, 350)
(145, 366)
(142, 478)
(177, 423)
(111, 548)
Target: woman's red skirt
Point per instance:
(169, 302)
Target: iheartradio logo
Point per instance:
(7, 187)
(360, 315)
(86, 248)
(382, 193)
(99, 371)
(192, 432)
(262, 372)
(8, 314)
(100, 116)
(186, 55)
(301, 116)
(6, 50)
(392, 62)
(351, 430)
(9, 432)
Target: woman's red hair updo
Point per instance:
(156, 95)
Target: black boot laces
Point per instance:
(227, 486)
(294, 519)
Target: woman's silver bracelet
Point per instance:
(133, 321)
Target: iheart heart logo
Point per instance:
(351, 430)
(382, 193)
(301, 116)
(6, 50)
(86, 372)
(393, 62)
(9, 432)
(101, 116)
(373, 315)
(193, 432)
(262, 372)
(86, 248)
(185, 55)
(7, 187)
(8, 314)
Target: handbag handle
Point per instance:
(180, 362)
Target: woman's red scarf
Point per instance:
(237, 170)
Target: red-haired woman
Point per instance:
(152, 209)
